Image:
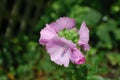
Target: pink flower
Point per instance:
(59, 39)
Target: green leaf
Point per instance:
(89, 15)
(117, 34)
(103, 32)
(95, 77)
(114, 58)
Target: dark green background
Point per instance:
(21, 56)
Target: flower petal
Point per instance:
(64, 59)
(55, 50)
(46, 34)
(69, 43)
(85, 46)
(56, 26)
(84, 36)
(84, 33)
(77, 57)
(59, 50)
(62, 23)
(67, 22)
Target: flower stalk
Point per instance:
(76, 72)
(81, 72)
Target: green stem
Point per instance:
(76, 72)
(81, 72)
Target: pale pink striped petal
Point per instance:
(59, 50)
(63, 23)
(46, 34)
(84, 36)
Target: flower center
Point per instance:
(71, 34)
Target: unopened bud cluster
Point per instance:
(71, 34)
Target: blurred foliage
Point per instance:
(22, 58)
